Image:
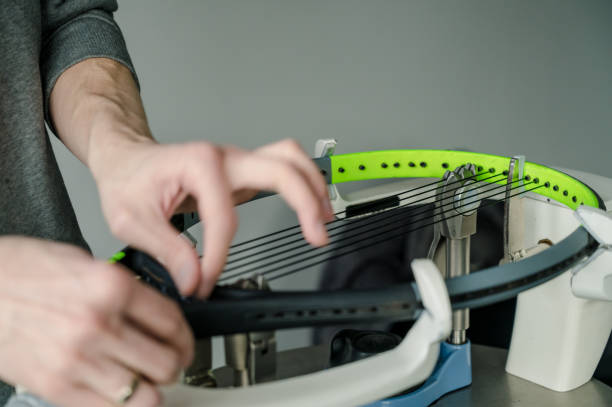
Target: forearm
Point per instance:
(97, 111)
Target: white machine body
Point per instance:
(561, 327)
(357, 383)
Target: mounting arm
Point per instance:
(592, 279)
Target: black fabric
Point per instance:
(5, 392)
(40, 39)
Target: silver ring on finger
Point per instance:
(126, 392)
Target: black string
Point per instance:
(467, 202)
(387, 238)
(343, 211)
(474, 199)
(366, 206)
(358, 224)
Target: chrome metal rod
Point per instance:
(458, 264)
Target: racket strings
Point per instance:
(352, 242)
(347, 225)
(371, 205)
(370, 244)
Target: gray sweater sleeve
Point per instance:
(74, 30)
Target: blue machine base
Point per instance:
(452, 372)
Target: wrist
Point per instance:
(97, 111)
(111, 148)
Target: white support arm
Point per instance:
(592, 279)
(357, 383)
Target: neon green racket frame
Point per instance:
(434, 163)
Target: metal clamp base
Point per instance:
(452, 372)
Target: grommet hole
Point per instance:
(384, 165)
(423, 164)
(396, 165)
(444, 165)
(527, 177)
(411, 164)
(340, 170)
(362, 167)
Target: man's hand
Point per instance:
(98, 114)
(143, 186)
(76, 331)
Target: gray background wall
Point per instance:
(505, 77)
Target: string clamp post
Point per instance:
(457, 199)
(252, 355)
(513, 210)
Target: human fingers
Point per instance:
(256, 171)
(162, 318)
(206, 180)
(291, 151)
(150, 231)
(157, 361)
(139, 203)
(133, 324)
(42, 358)
(72, 395)
(58, 339)
(75, 377)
